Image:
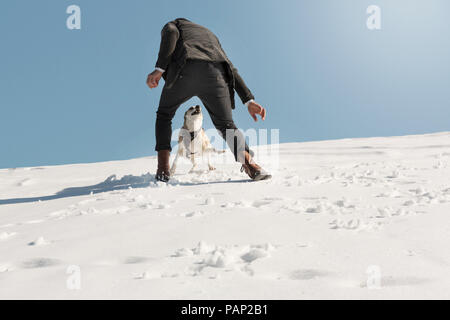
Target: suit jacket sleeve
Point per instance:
(169, 38)
(241, 88)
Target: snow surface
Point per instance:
(353, 218)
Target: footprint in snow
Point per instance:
(26, 182)
(194, 214)
(37, 263)
(401, 281)
(261, 203)
(135, 260)
(307, 274)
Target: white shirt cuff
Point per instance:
(160, 70)
(248, 102)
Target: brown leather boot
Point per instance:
(254, 171)
(162, 173)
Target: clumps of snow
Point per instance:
(220, 258)
(152, 204)
(261, 203)
(438, 165)
(375, 195)
(164, 206)
(292, 181)
(395, 193)
(386, 212)
(203, 248)
(223, 257)
(116, 210)
(153, 274)
(295, 207)
(149, 274)
(139, 199)
(169, 275)
(423, 196)
(315, 209)
(394, 175)
(237, 257)
(41, 241)
(322, 179)
(61, 214)
(6, 235)
(90, 210)
(87, 201)
(242, 204)
(403, 212)
(5, 268)
(237, 204)
(418, 191)
(228, 205)
(350, 224)
(183, 252)
(344, 204)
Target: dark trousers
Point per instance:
(209, 82)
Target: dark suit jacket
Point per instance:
(181, 40)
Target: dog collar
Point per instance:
(194, 134)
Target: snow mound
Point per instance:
(337, 217)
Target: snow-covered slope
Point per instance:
(354, 218)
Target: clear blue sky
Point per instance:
(80, 96)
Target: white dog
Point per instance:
(193, 141)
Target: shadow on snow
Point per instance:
(111, 184)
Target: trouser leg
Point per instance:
(219, 108)
(170, 100)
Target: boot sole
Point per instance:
(262, 177)
(162, 179)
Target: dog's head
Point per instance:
(193, 118)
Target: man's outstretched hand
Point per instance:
(255, 109)
(153, 79)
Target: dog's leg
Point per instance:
(175, 161)
(210, 166)
(173, 168)
(208, 151)
(194, 163)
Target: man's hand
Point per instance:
(254, 109)
(153, 79)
